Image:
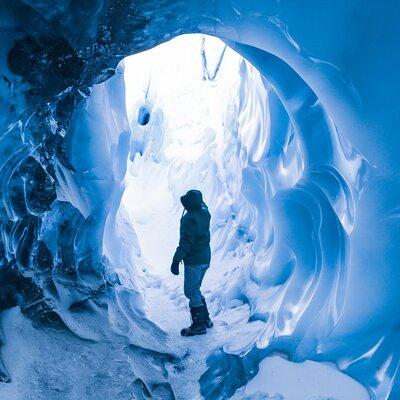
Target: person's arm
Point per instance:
(187, 235)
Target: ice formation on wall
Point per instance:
(309, 207)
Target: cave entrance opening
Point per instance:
(186, 106)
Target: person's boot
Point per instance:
(209, 323)
(198, 326)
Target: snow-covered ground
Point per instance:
(284, 380)
(278, 378)
(47, 364)
(50, 364)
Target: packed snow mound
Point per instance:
(54, 364)
(312, 217)
(279, 379)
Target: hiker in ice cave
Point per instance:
(194, 250)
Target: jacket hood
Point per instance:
(192, 200)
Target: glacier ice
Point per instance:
(303, 182)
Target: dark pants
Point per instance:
(194, 275)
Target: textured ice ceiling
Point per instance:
(324, 279)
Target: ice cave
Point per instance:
(283, 114)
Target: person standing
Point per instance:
(195, 252)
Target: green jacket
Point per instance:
(194, 242)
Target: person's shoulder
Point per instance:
(204, 211)
(189, 217)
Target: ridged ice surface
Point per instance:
(300, 174)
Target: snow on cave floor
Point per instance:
(49, 365)
(170, 314)
(278, 378)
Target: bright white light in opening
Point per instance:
(174, 81)
(188, 86)
(206, 106)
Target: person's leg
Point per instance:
(191, 287)
(204, 269)
(192, 281)
(209, 323)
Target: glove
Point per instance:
(175, 267)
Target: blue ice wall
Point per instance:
(333, 68)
